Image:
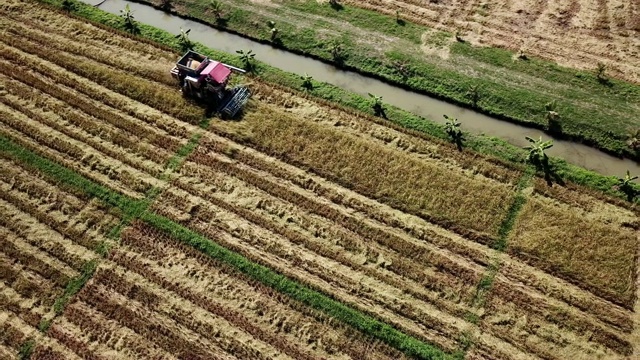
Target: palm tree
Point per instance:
(452, 127)
(627, 187)
(537, 156)
(247, 58)
(183, 40)
(306, 81)
(378, 108)
(634, 140)
(129, 22)
(216, 8)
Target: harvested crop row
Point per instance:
(103, 100)
(82, 220)
(115, 57)
(529, 322)
(324, 273)
(16, 334)
(83, 127)
(80, 31)
(73, 154)
(514, 270)
(125, 341)
(291, 326)
(27, 283)
(153, 94)
(222, 334)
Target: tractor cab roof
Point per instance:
(216, 71)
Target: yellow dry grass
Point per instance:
(589, 245)
(427, 188)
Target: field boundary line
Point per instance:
(131, 208)
(500, 244)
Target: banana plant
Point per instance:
(183, 40)
(307, 81)
(452, 127)
(129, 21)
(537, 155)
(627, 187)
(247, 58)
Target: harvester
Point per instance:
(206, 80)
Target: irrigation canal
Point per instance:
(419, 104)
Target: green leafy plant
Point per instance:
(337, 52)
(626, 186)
(273, 29)
(537, 155)
(452, 127)
(129, 23)
(601, 69)
(376, 105)
(183, 40)
(633, 140)
(307, 81)
(68, 5)
(474, 95)
(247, 58)
(215, 6)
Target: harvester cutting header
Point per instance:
(207, 80)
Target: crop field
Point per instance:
(132, 226)
(576, 33)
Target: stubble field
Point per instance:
(573, 33)
(132, 227)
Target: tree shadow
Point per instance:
(336, 5)
(555, 126)
(277, 41)
(605, 81)
(378, 110)
(401, 22)
(222, 22)
(551, 176)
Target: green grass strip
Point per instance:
(25, 351)
(500, 245)
(129, 206)
(366, 324)
(174, 163)
(75, 285)
(136, 209)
